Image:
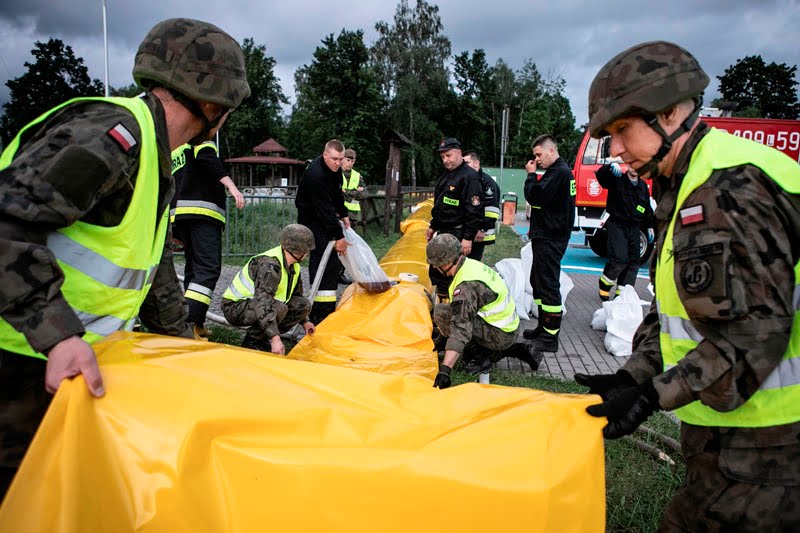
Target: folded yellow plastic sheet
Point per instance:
(408, 253)
(199, 437)
(388, 332)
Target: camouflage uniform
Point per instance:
(265, 315)
(68, 169)
(460, 323)
(733, 469)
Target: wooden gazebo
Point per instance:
(269, 167)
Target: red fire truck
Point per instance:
(590, 201)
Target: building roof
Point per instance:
(265, 160)
(270, 146)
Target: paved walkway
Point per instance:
(581, 348)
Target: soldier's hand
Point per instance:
(276, 345)
(626, 409)
(602, 384)
(71, 357)
(309, 328)
(466, 247)
(341, 246)
(442, 380)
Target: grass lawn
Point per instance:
(638, 486)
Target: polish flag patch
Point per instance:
(692, 215)
(123, 137)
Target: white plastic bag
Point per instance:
(599, 320)
(624, 314)
(512, 273)
(526, 254)
(361, 264)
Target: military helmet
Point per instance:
(195, 58)
(443, 249)
(297, 239)
(643, 80)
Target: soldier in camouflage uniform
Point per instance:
(721, 344)
(267, 294)
(86, 190)
(480, 318)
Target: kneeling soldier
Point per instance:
(267, 294)
(481, 312)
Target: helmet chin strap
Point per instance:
(194, 109)
(651, 167)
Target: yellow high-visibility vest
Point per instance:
(355, 179)
(243, 288)
(501, 313)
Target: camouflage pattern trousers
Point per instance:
(23, 403)
(247, 313)
(493, 339)
(754, 489)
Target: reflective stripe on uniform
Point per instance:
(198, 207)
(199, 293)
(325, 296)
(679, 329)
(95, 265)
(491, 212)
(100, 325)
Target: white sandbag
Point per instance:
(511, 271)
(624, 314)
(599, 320)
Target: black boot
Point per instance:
(548, 339)
(525, 352)
(254, 344)
(531, 334)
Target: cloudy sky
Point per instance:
(568, 38)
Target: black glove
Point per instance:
(626, 409)
(442, 380)
(602, 384)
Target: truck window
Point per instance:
(597, 152)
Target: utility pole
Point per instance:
(105, 44)
(503, 143)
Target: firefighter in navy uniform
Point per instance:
(198, 215)
(480, 320)
(552, 200)
(320, 208)
(267, 294)
(491, 207)
(629, 210)
(721, 343)
(84, 225)
(457, 206)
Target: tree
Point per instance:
(259, 116)
(410, 57)
(473, 120)
(338, 96)
(760, 89)
(129, 91)
(56, 76)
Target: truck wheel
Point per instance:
(599, 243)
(645, 248)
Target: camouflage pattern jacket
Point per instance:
(744, 312)
(265, 272)
(71, 168)
(468, 297)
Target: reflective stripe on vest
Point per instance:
(501, 313)
(107, 270)
(355, 179)
(243, 288)
(198, 207)
(777, 401)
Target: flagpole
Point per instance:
(105, 44)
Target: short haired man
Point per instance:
(85, 227)
(552, 200)
(721, 344)
(353, 187)
(320, 207)
(457, 205)
(480, 314)
(628, 206)
(491, 206)
(267, 294)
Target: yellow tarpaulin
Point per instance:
(196, 436)
(388, 332)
